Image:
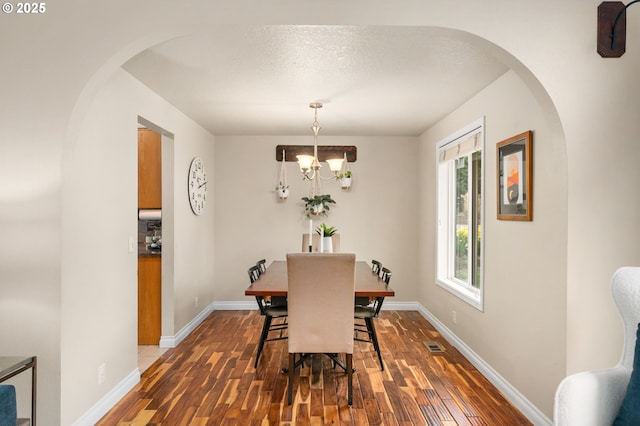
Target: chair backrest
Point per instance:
(376, 266)
(386, 275)
(254, 273)
(315, 241)
(262, 266)
(320, 297)
(625, 287)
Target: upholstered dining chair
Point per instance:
(593, 398)
(320, 299)
(270, 312)
(366, 311)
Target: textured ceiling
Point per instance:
(259, 80)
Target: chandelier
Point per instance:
(309, 164)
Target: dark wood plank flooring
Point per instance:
(209, 379)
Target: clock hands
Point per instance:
(197, 186)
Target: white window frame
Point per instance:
(445, 215)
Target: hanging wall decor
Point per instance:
(282, 188)
(514, 177)
(345, 175)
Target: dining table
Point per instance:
(273, 282)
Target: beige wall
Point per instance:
(58, 62)
(99, 292)
(375, 219)
(525, 262)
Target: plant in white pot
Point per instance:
(317, 205)
(326, 233)
(345, 180)
(283, 191)
(282, 188)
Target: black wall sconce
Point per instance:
(612, 28)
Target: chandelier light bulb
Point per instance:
(335, 164)
(305, 162)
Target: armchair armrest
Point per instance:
(590, 398)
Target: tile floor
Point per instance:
(147, 355)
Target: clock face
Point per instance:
(197, 186)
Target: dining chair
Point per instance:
(376, 266)
(367, 312)
(274, 300)
(320, 292)
(385, 274)
(269, 311)
(262, 266)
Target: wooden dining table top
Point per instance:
(274, 282)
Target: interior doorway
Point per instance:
(155, 237)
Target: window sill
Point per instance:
(472, 297)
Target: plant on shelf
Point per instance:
(345, 179)
(317, 205)
(326, 231)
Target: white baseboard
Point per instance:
(173, 341)
(400, 306)
(249, 305)
(529, 410)
(109, 401)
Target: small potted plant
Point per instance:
(283, 191)
(345, 180)
(327, 234)
(317, 205)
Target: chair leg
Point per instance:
(265, 332)
(374, 339)
(350, 379)
(292, 362)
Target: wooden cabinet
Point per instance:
(149, 300)
(149, 169)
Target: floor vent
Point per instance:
(433, 347)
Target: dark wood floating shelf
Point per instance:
(324, 152)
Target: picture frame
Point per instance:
(514, 184)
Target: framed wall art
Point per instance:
(514, 167)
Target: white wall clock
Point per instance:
(197, 186)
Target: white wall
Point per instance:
(375, 219)
(525, 262)
(99, 292)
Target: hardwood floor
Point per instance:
(209, 379)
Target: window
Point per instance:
(460, 185)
